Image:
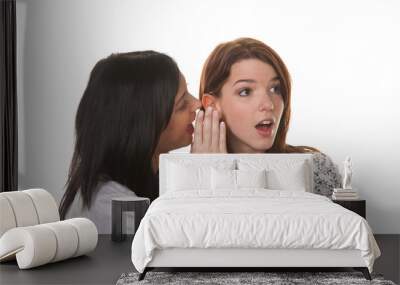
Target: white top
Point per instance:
(100, 210)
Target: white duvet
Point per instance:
(252, 218)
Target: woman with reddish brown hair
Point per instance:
(249, 86)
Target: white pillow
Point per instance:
(185, 178)
(185, 175)
(284, 174)
(251, 178)
(293, 178)
(223, 179)
(228, 179)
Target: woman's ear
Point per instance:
(209, 100)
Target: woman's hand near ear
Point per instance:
(209, 133)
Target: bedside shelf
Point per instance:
(357, 206)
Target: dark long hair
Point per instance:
(216, 71)
(127, 104)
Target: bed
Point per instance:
(247, 211)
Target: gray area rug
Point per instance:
(226, 278)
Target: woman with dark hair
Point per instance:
(135, 107)
(249, 84)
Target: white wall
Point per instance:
(343, 57)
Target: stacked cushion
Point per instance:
(27, 208)
(32, 233)
(37, 245)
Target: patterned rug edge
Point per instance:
(269, 278)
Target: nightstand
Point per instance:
(357, 206)
(126, 214)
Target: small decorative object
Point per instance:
(346, 192)
(127, 212)
(348, 172)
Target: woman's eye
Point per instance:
(275, 89)
(244, 92)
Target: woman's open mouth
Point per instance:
(265, 128)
